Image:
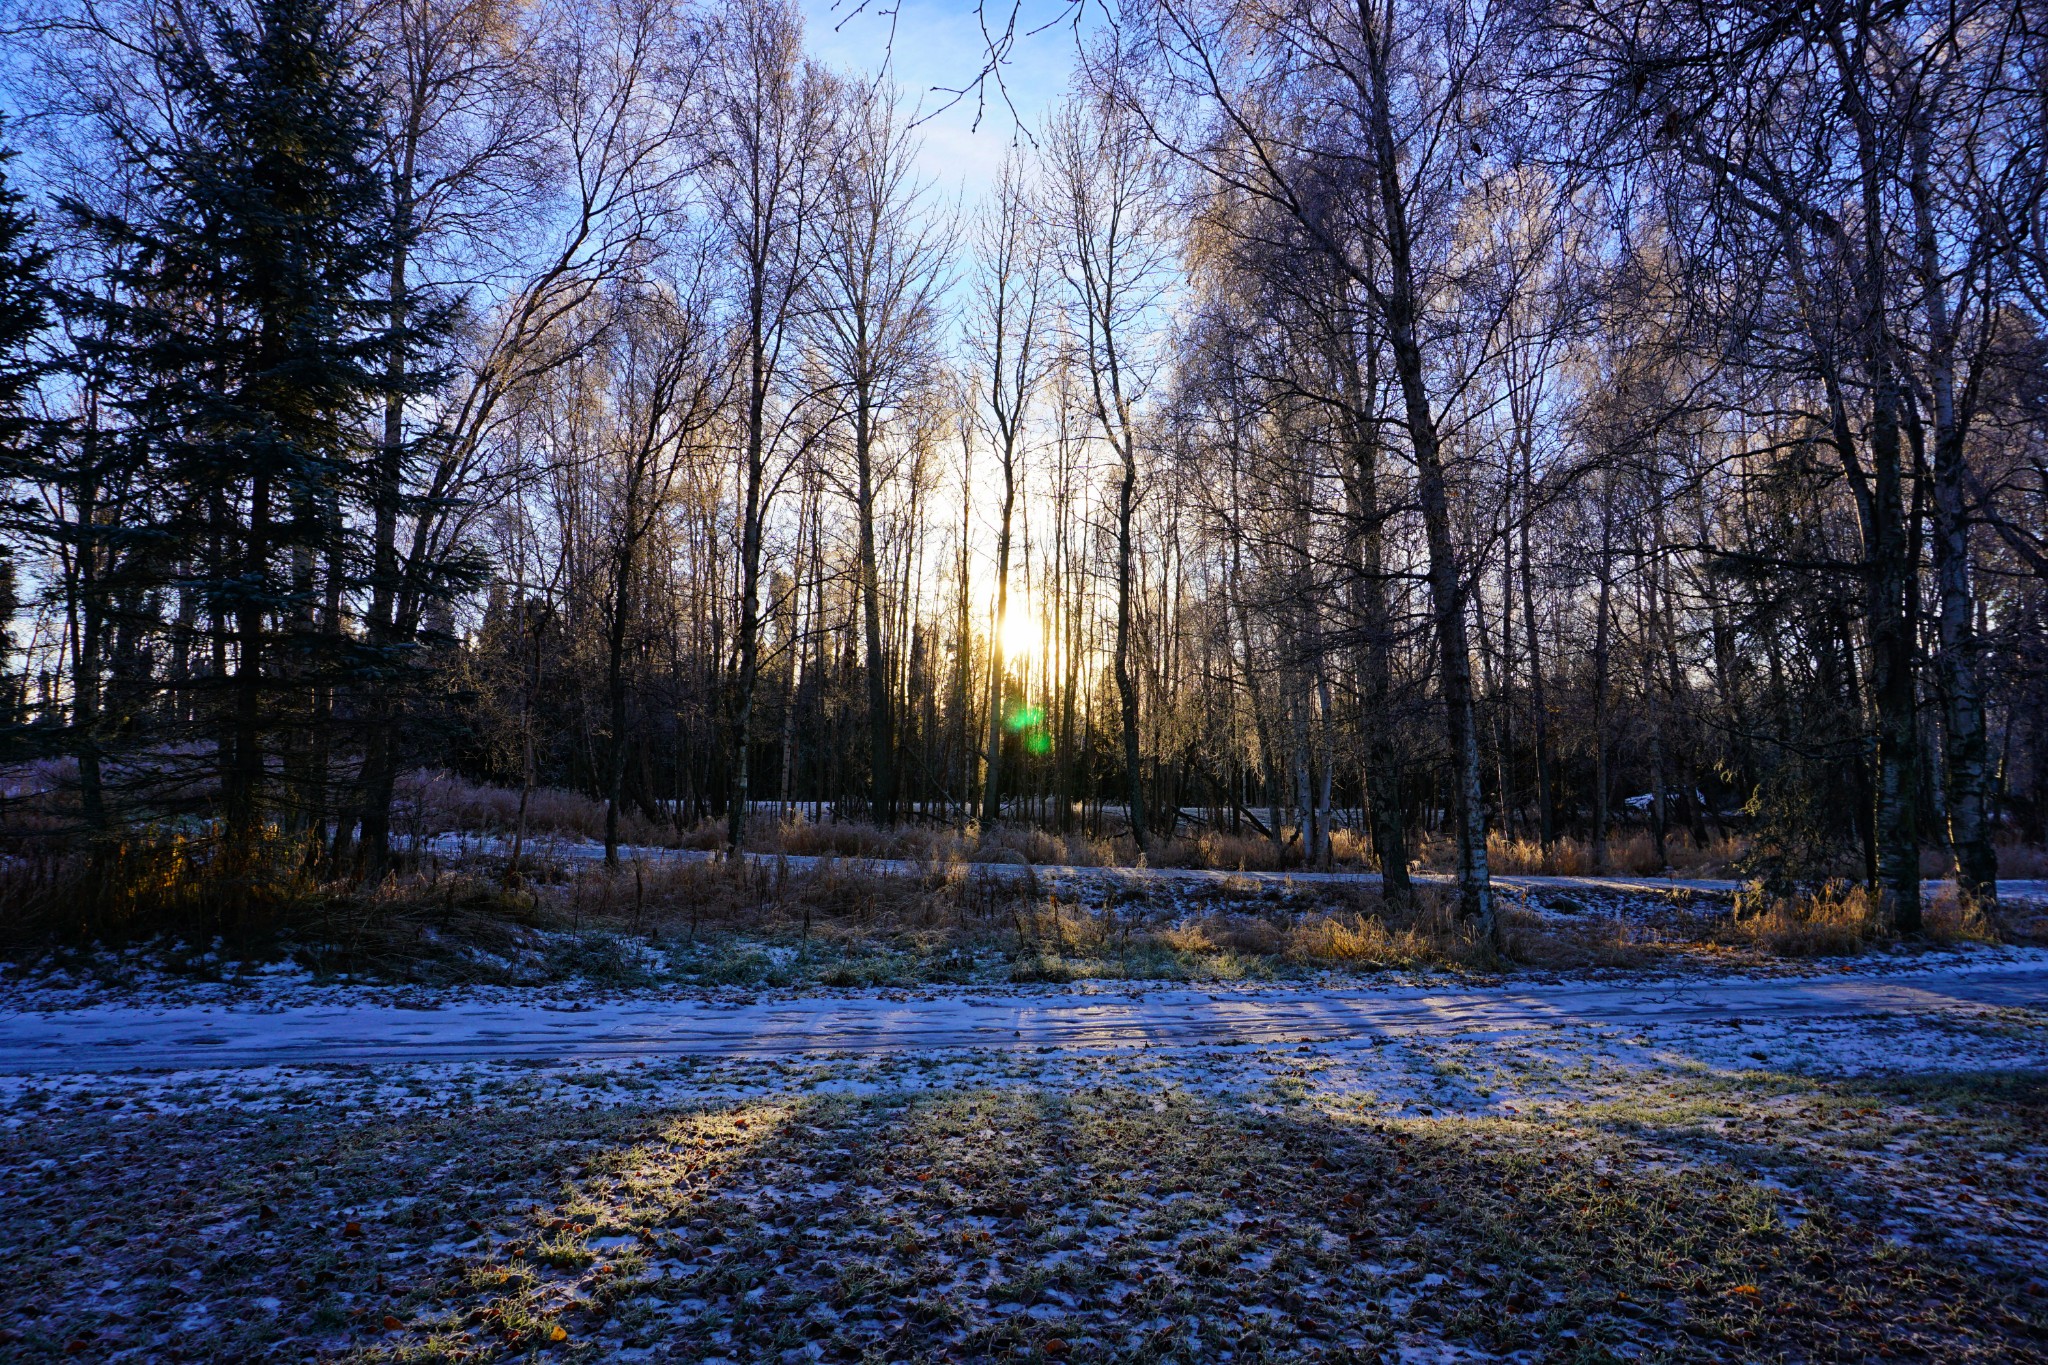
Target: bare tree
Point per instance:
(767, 126)
(879, 271)
(1007, 337)
(1107, 205)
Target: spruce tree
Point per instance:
(252, 342)
(24, 314)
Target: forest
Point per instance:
(1545, 436)
(1151, 682)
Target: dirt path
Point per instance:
(111, 1038)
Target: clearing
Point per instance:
(1765, 1161)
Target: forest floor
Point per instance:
(458, 848)
(1800, 1162)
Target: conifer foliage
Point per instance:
(245, 342)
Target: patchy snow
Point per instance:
(1386, 1046)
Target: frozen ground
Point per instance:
(1831, 1164)
(289, 1024)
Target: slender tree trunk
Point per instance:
(1402, 305)
(992, 771)
(87, 616)
(1374, 621)
(1966, 750)
(242, 809)
(881, 736)
(623, 568)
(746, 672)
(380, 711)
(1603, 626)
(1126, 682)
(1539, 701)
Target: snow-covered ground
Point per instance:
(1415, 1167)
(293, 1023)
(1695, 1163)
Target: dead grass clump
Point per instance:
(771, 898)
(1944, 918)
(1581, 941)
(1632, 854)
(830, 839)
(1251, 935)
(2020, 862)
(1430, 934)
(157, 880)
(1838, 919)
(1038, 847)
(1842, 918)
(1219, 848)
(1353, 847)
(436, 802)
(1353, 939)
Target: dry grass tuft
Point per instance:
(1631, 854)
(155, 879)
(2020, 862)
(434, 802)
(1834, 921)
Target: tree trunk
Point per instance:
(1539, 703)
(881, 737)
(1446, 583)
(1966, 751)
(1126, 683)
(992, 772)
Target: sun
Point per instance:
(1019, 632)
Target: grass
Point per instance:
(844, 924)
(1112, 1220)
(1839, 920)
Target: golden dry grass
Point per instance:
(1631, 853)
(1841, 919)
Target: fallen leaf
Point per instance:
(391, 1324)
(351, 1229)
(558, 1333)
(1748, 1289)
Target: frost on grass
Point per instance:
(1652, 1195)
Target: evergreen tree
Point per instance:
(24, 313)
(252, 342)
(24, 297)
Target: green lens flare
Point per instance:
(1025, 717)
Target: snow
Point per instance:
(1405, 1050)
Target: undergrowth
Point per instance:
(843, 922)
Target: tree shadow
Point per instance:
(1153, 1224)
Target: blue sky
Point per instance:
(938, 45)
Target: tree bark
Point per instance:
(1966, 751)
(1402, 306)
